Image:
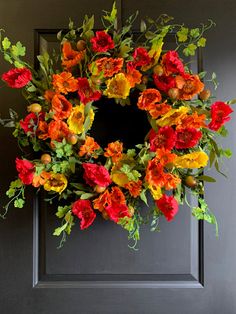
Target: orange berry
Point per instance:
(46, 159)
(72, 138)
(158, 70)
(99, 189)
(190, 181)
(205, 94)
(173, 93)
(36, 108)
(81, 45)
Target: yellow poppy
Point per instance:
(172, 117)
(57, 182)
(118, 87)
(192, 160)
(155, 191)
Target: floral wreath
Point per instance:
(67, 162)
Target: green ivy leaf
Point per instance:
(195, 32)
(6, 44)
(59, 230)
(18, 50)
(62, 210)
(183, 34)
(190, 50)
(19, 203)
(201, 42)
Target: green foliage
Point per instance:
(182, 34)
(201, 42)
(132, 174)
(18, 50)
(143, 197)
(190, 50)
(63, 149)
(6, 44)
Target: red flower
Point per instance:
(164, 83)
(168, 206)
(141, 57)
(102, 42)
(83, 210)
(187, 137)
(86, 93)
(220, 112)
(96, 175)
(26, 170)
(31, 121)
(17, 78)
(171, 63)
(164, 138)
(116, 211)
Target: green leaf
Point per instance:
(8, 58)
(18, 49)
(62, 210)
(223, 131)
(201, 42)
(143, 197)
(190, 50)
(143, 26)
(202, 74)
(182, 34)
(59, 230)
(195, 32)
(86, 196)
(19, 203)
(6, 44)
(206, 178)
(218, 168)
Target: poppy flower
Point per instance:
(189, 85)
(58, 130)
(26, 170)
(17, 77)
(102, 201)
(31, 122)
(164, 156)
(114, 150)
(118, 87)
(147, 98)
(61, 107)
(171, 63)
(86, 93)
(173, 117)
(84, 211)
(192, 160)
(102, 42)
(155, 175)
(164, 83)
(133, 76)
(70, 57)
(134, 188)
(40, 179)
(157, 110)
(168, 206)
(187, 137)
(89, 147)
(165, 137)
(57, 182)
(220, 112)
(108, 66)
(194, 120)
(64, 83)
(96, 175)
(141, 57)
(117, 211)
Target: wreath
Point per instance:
(68, 163)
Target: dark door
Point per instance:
(179, 270)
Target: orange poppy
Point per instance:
(64, 83)
(134, 77)
(114, 150)
(42, 130)
(61, 107)
(109, 66)
(117, 195)
(193, 121)
(89, 147)
(40, 179)
(188, 85)
(155, 175)
(157, 110)
(102, 201)
(134, 187)
(164, 156)
(71, 57)
(171, 181)
(48, 95)
(148, 98)
(58, 130)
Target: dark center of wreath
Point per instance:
(112, 122)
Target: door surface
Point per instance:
(184, 268)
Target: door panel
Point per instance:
(169, 264)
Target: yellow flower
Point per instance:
(57, 182)
(192, 160)
(154, 53)
(118, 87)
(77, 119)
(155, 191)
(172, 117)
(119, 178)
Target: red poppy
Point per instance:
(116, 211)
(26, 170)
(102, 42)
(164, 138)
(96, 175)
(164, 83)
(171, 63)
(220, 112)
(31, 121)
(17, 78)
(187, 137)
(168, 206)
(141, 57)
(61, 107)
(83, 210)
(86, 93)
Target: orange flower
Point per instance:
(64, 83)
(61, 107)
(42, 130)
(114, 150)
(189, 85)
(148, 98)
(193, 121)
(102, 201)
(57, 130)
(48, 95)
(134, 187)
(164, 156)
(89, 147)
(157, 110)
(70, 57)
(109, 66)
(171, 181)
(154, 173)
(40, 179)
(134, 77)
(117, 196)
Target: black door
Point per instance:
(179, 270)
